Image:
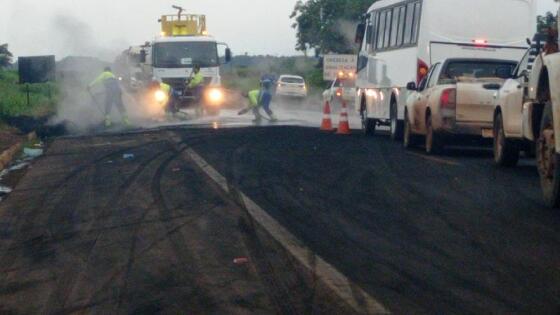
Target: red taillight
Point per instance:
(422, 71)
(448, 99)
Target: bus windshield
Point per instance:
(185, 54)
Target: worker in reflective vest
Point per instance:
(113, 95)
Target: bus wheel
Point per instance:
(548, 160)
(505, 152)
(397, 126)
(368, 124)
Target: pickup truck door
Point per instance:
(423, 95)
(511, 98)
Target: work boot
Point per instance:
(273, 118)
(108, 122)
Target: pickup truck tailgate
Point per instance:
(474, 102)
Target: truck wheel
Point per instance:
(506, 153)
(434, 143)
(397, 126)
(548, 161)
(368, 124)
(409, 138)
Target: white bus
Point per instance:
(401, 39)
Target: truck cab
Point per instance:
(184, 43)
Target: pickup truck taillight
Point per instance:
(448, 99)
(422, 71)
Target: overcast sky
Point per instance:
(103, 27)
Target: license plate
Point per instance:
(487, 133)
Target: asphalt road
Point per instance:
(451, 234)
(89, 231)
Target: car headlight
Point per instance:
(160, 96)
(215, 96)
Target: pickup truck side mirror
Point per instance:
(411, 86)
(523, 74)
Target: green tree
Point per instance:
(328, 26)
(5, 56)
(546, 21)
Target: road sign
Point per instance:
(333, 64)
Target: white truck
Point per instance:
(454, 99)
(527, 117)
(183, 43)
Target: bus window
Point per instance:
(416, 24)
(388, 29)
(381, 30)
(395, 27)
(369, 30)
(408, 23)
(402, 16)
(372, 35)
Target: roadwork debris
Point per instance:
(5, 190)
(241, 260)
(32, 152)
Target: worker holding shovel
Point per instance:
(260, 98)
(113, 95)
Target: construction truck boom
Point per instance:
(183, 43)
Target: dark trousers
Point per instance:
(114, 99)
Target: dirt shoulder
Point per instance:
(122, 224)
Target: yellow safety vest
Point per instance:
(254, 98)
(196, 80)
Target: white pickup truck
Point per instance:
(527, 114)
(455, 99)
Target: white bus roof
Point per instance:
(388, 3)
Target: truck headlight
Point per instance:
(215, 96)
(160, 96)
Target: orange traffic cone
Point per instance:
(327, 122)
(344, 125)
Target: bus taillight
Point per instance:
(422, 71)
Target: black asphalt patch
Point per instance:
(447, 235)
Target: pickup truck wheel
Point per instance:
(368, 124)
(548, 161)
(409, 138)
(506, 154)
(434, 143)
(396, 125)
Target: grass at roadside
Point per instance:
(13, 97)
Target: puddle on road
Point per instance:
(10, 176)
